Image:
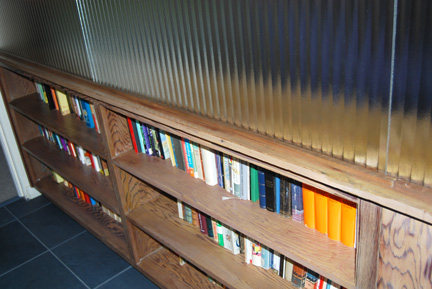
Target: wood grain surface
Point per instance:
(159, 219)
(405, 256)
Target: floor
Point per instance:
(8, 190)
(42, 247)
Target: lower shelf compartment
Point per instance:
(92, 218)
(159, 219)
(164, 269)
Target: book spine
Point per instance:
(53, 93)
(210, 232)
(321, 211)
(198, 160)
(209, 164)
(254, 185)
(93, 115)
(334, 218)
(219, 169)
(248, 250)
(152, 141)
(178, 152)
(165, 146)
(277, 194)
(265, 257)
(186, 145)
(87, 114)
(149, 149)
(245, 180)
(215, 233)
(227, 235)
(236, 178)
(202, 223)
(309, 205)
(262, 189)
(180, 209)
(297, 202)
(195, 220)
(256, 254)
(227, 172)
(270, 191)
(220, 233)
(348, 223)
(159, 144)
(187, 213)
(154, 138)
(235, 242)
(171, 151)
(132, 133)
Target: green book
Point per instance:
(220, 233)
(254, 185)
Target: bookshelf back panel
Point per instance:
(14, 85)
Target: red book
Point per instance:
(54, 96)
(202, 223)
(131, 130)
(87, 198)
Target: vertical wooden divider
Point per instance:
(368, 233)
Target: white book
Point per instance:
(180, 209)
(288, 269)
(248, 250)
(236, 178)
(227, 234)
(209, 163)
(235, 242)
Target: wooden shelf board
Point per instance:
(163, 268)
(159, 219)
(92, 218)
(68, 126)
(292, 239)
(84, 177)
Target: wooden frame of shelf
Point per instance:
(93, 219)
(292, 239)
(84, 177)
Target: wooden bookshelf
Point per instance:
(386, 206)
(92, 218)
(159, 219)
(68, 126)
(84, 177)
(284, 235)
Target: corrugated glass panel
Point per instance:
(46, 31)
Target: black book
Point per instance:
(178, 152)
(209, 226)
(47, 91)
(281, 266)
(285, 197)
(270, 191)
(159, 144)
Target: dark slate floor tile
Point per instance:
(131, 279)
(51, 225)
(17, 245)
(23, 207)
(5, 217)
(90, 259)
(44, 271)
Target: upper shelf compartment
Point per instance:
(68, 126)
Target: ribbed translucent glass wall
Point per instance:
(351, 79)
(45, 31)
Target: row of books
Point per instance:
(68, 104)
(80, 194)
(86, 157)
(254, 252)
(334, 217)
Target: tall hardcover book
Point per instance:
(285, 197)
(147, 142)
(262, 189)
(321, 211)
(87, 114)
(277, 194)
(289, 265)
(236, 177)
(219, 168)
(209, 164)
(254, 185)
(189, 158)
(227, 172)
(309, 206)
(270, 190)
(297, 201)
(178, 152)
(202, 223)
(245, 180)
(334, 218)
(348, 223)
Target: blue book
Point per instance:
(140, 144)
(265, 258)
(219, 169)
(297, 201)
(189, 157)
(87, 114)
(277, 194)
(149, 149)
(262, 193)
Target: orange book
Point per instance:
(54, 96)
(309, 205)
(348, 223)
(321, 211)
(334, 218)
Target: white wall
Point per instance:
(13, 156)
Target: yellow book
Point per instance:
(309, 205)
(62, 102)
(171, 151)
(321, 211)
